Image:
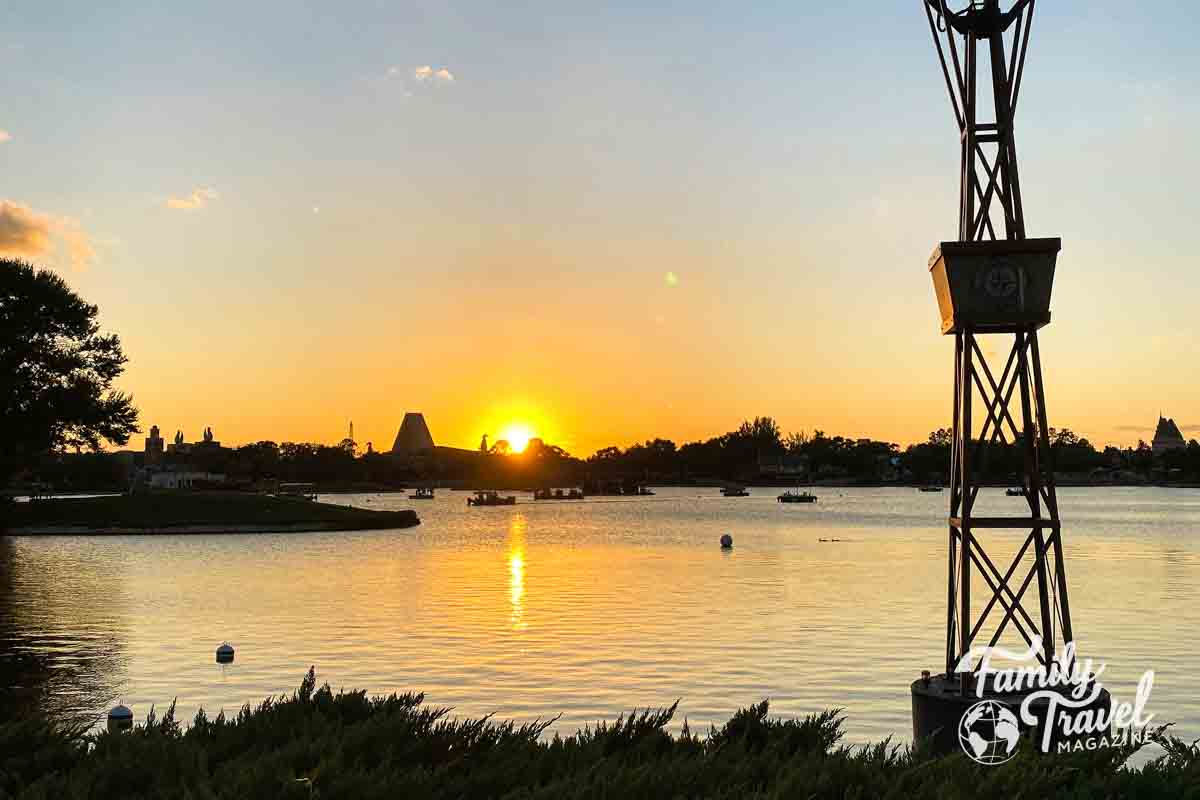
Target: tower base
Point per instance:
(939, 704)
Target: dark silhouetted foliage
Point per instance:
(56, 371)
(347, 745)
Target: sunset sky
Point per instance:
(606, 221)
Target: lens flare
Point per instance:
(517, 435)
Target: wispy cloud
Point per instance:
(428, 73)
(33, 234)
(23, 231)
(199, 198)
(5, 136)
(412, 79)
(79, 244)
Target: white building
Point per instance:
(172, 479)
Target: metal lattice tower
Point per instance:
(994, 282)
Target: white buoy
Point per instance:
(726, 542)
(225, 653)
(120, 718)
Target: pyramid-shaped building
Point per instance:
(413, 438)
(1167, 435)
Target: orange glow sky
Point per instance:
(606, 223)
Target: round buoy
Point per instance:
(120, 718)
(225, 654)
(726, 542)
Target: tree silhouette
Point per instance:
(56, 371)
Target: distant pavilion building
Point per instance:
(413, 438)
(1167, 436)
(415, 450)
(170, 456)
(181, 448)
(154, 448)
(185, 479)
(171, 466)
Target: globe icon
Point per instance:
(988, 732)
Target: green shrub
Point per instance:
(317, 744)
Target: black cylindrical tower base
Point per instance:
(939, 704)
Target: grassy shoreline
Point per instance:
(316, 743)
(192, 512)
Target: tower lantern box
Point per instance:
(994, 287)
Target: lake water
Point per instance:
(584, 609)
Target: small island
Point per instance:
(177, 512)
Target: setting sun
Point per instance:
(517, 435)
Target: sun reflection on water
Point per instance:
(516, 570)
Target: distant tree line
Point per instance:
(756, 451)
(759, 449)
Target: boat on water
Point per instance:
(307, 491)
(612, 487)
(797, 497)
(422, 494)
(557, 494)
(490, 498)
(929, 488)
(735, 491)
(1015, 491)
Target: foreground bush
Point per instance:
(317, 744)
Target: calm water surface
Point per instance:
(584, 609)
